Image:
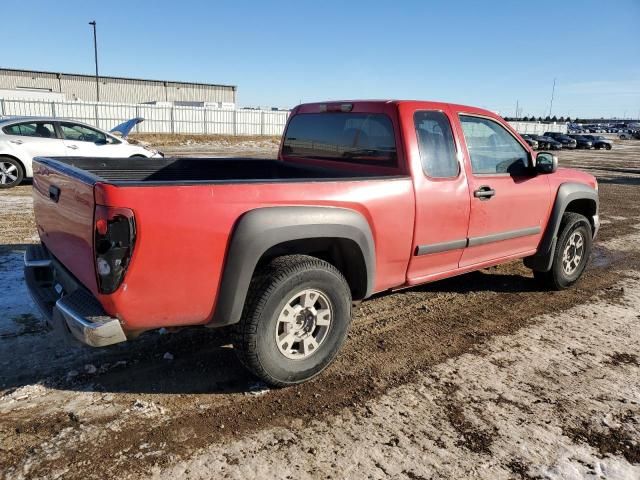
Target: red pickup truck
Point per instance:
(364, 197)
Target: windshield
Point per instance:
(348, 137)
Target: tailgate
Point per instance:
(63, 203)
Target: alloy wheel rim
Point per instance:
(303, 324)
(573, 253)
(8, 173)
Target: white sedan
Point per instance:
(23, 138)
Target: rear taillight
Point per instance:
(114, 239)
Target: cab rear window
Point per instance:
(346, 137)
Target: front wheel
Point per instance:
(571, 254)
(295, 320)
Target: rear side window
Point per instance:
(348, 137)
(32, 129)
(492, 148)
(435, 141)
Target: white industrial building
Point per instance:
(53, 86)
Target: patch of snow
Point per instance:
(148, 409)
(15, 205)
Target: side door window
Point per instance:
(81, 133)
(31, 129)
(493, 150)
(436, 144)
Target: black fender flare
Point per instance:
(263, 228)
(567, 193)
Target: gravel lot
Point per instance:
(479, 376)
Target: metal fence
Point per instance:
(179, 119)
(158, 118)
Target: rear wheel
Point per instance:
(571, 254)
(295, 320)
(607, 146)
(11, 173)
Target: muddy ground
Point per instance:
(484, 375)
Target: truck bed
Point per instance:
(149, 171)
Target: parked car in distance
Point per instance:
(628, 135)
(279, 250)
(551, 143)
(532, 142)
(599, 142)
(24, 138)
(546, 143)
(565, 140)
(582, 142)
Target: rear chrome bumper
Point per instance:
(67, 306)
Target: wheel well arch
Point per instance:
(342, 253)
(586, 207)
(570, 197)
(340, 236)
(20, 162)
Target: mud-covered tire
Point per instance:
(563, 274)
(11, 172)
(256, 336)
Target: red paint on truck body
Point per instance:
(183, 233)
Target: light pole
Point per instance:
(553, 90)
(95, 54)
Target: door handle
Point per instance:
(17, 142)
(54, 193)
(485, 192)
(72, 147)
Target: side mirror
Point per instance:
(546, 162)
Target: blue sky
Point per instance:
(489, 54)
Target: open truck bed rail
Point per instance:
(162, 171)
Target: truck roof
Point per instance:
(417, 103)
